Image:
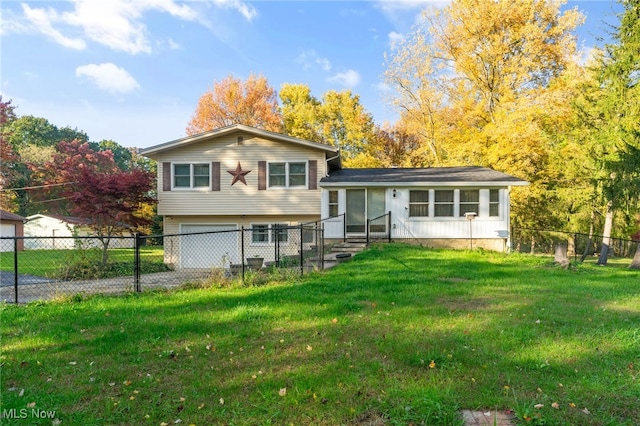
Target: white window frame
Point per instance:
(419, 203)
(191, 177)
(270, 231)
(287, 178)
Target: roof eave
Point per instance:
(167, 146)
(483, 184)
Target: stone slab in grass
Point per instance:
(487, 418)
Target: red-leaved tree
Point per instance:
(108, 198)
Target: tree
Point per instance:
(300, 112)
(473, 83)
(231, 101)
(345, 123)
(99, 191)
(611, 111)
(121, 155)
(8, 157)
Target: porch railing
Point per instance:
(374, 224)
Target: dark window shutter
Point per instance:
(313, 175)
(215, 176)
(166, 176)
(262, 175)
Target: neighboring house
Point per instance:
(239, 176)
(59, 232)
(11, 225)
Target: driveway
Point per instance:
(7, 279)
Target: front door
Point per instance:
(356, 211)
(363, 204)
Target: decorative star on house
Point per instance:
(238, 174)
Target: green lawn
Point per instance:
(50, 263)
(399, 335)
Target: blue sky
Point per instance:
(133, 71)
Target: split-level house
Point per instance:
(243, 177)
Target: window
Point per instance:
(418, 203)
(263, 234)
(469, 201)
(260, 233)
(191, 175)
(333, 203)
(494, 202)
(443, 203)
(297, 174)
(287, 175)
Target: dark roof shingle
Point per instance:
(433, 175)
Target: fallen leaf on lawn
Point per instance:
(586, 411)
(112, 383)
(201, 406)
(21, 393)
(309, 348)
(572, 405)
(182, 399)
(555, 405)
(432, 364)
(164, 424)
(282, 392)
(537, 321)
(131, 398)
(254, 377)
(538, 406)
(72, 363)
(177, 421)
(31, 405)
(221, 401)
(560, 385)
(126, 382)
(335, 320)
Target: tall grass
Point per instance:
(399, 335)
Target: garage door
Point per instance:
(212, 249)
(7, 230)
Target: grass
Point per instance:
(399, 335)
(56, 263)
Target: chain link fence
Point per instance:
(580, 246)
(45, 268)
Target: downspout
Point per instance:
(327, 163)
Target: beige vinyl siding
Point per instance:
(240, 199)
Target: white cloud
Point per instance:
(248, 11)
(395, 39)
(117, 24)
(309, 57)
(109, 77)
(349, 78)
(43, 19)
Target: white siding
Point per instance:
(405, 227)
(240, 199)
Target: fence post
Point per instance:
(136, 262)
(389, 226)
(344, 227)
(301, 253)
(242, 251)
(367, 231)
(321, 245)
(15, 268)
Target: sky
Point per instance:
(132, 71)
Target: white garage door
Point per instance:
(7, 230)
(210, 250)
